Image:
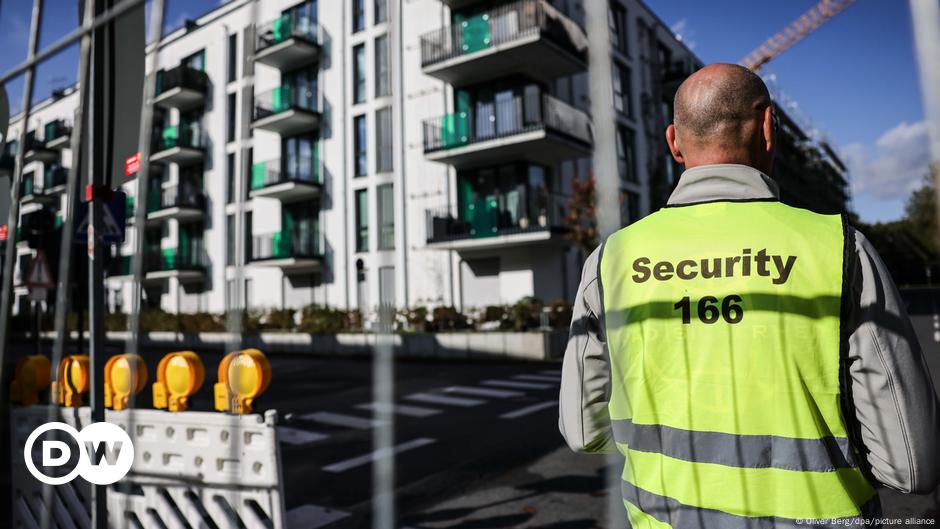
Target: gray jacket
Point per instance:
(896, 413)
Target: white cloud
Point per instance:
(683, 33)
(898, 165)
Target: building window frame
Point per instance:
(361, 211)
(358, 15)
(384, 151)
(385, 216)
(383, 73)
(360, 146)
(359, 84)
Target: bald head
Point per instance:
(720, 114)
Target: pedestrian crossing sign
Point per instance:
(113, 221)
(39, 276)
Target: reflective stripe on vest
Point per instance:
(723, 326)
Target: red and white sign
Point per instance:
(132, 164)
(4, 232)
(39, 275)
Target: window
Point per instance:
(232, 57)
(386, 216)
(299, 160)
(617, 19)
(359, 146)
(196, 61)
(359, 74)
(230, 174)
(362, 221)
(622, 96)
(626, 155)
(387, 285)
(383, 140)
(230, 240)
(629, 207)
(383, 81)
(380, 11)
(230, 123)
(358, 15)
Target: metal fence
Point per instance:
(491, 216)
(272, 172)
(286, 244)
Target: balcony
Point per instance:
(186, 264)
(296, 251)
(7, 163)
(180, 144)
(184, 204)
(485, 225)
(527, 37)
(287, 43)
(37, 151)
(182, 87)
(534, 127)
(55, 179)
(286, 110)
(57, 135)
(30, 193)
(118, 267)
(270, 180)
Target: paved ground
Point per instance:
(477, 444)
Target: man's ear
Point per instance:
(769, 129)
(673, 144)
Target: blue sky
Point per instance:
(854, 78)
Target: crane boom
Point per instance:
(799, 28)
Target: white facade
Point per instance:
(495, 182)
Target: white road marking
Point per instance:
(446, 400)
(294, 436)
(936, 336)
(483, 392)
(537, 378)
(338, 419)
(365, 459)
(517, 385)
(312, 517)
(400, 409)
(528, 410)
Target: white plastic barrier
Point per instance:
(191, 470)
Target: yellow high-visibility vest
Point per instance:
(723, 325)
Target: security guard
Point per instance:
(752, 361)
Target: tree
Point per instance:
(581, 215)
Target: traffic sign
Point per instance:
(39, 275)
(113, 221)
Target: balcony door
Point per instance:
(302, 88)
(299, 223)
(299, 158)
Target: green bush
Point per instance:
(559, 316)
(416, 318)
(115, 321)
(316, 319)
(279, 320)
(201, 322)
(525, 313)
(153, 320)
(447, 319)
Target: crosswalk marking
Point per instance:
(517, 385)
(528, 410)
(400, 409)
(338, 419)
(312, 517)
(483, 392)
(365, 459)
(295, 436)
(538, 378)
(446, 400)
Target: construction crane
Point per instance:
(799, 28)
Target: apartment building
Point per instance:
(418, 153)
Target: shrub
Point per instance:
(115, 321)
(201, 322)
(279, 320)
(525, 313)
(559, 316)
(416, 318)
(316, 319)
(152, 320)
(447, 319)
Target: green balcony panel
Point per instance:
(281, 29)
(258, 173)
(476, 33)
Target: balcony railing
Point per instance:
(495, 216)
(283, 98)
(182, 76)
(54, 176)
(119, 265)
(284, 245)
(286, 27)
(187, 136)
(500, 25)
(190, 257)
(269, 173)
(516, 115)
(187, 197)
(55, 130)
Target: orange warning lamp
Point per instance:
(243, 375)
(30, 378)
(124, 375)
(72, 381)
(179, 375)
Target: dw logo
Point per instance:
(105, 453)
